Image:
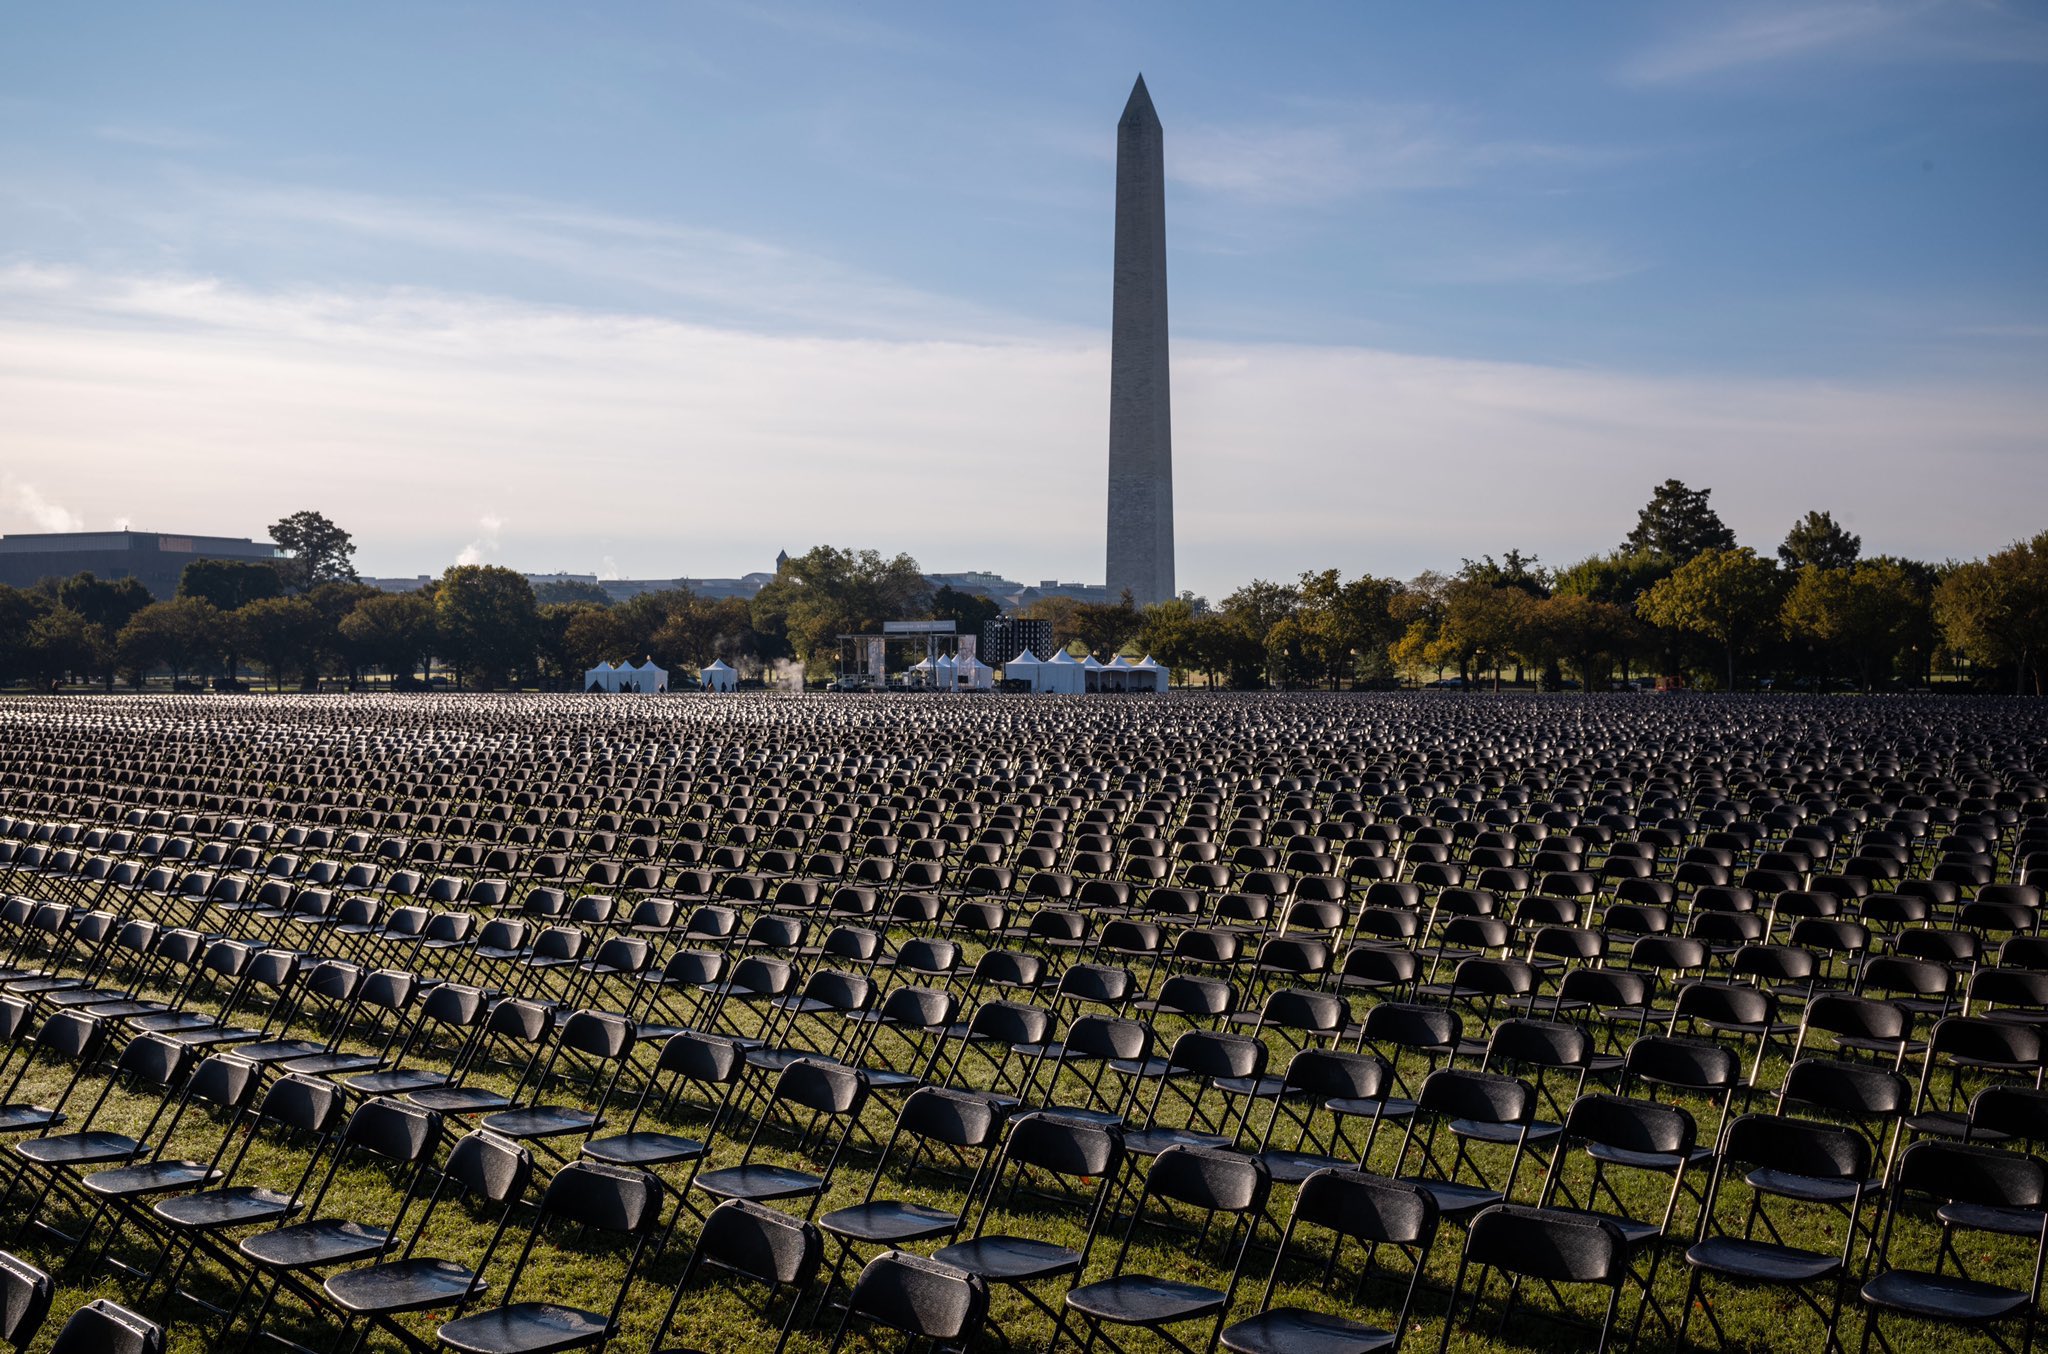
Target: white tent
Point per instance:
(648, 678)
(944, 671)
(1062, 675)
(974, 675)
(719, 677)
(1023, 668)
(603, 677)
(1152, 669)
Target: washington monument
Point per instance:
(1140, 414)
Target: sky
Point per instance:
(648, 290)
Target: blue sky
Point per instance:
(661, 288)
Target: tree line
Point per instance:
(1679, 596)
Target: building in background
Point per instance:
(1003, 638)
(155, 559)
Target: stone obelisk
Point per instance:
(1140, 414)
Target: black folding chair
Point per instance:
(1791, 1151)
(1350, 1205)
(1552, 1246)
(1216, 1185)
(622, 1204)
(1972, 1189)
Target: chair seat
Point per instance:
(1150, 1142)
(889, 1222)
(1258, 1088)
(459, 1099)
(1010, 1259)
(1942, 1297)
(1291, 1168)
(1294, 1330)
(79, 1149)
(1141, 1300)
(1992, 1218)
(27, 1118)
(643, 1149)
(412, 1285)
(397, 1081)
(1503, 1133)
(758, 1181)
(1356, 1108)
(542, 1121)
(267, 1051)
(150, 1177)
(312, 1245)
(1454, 1200)
(334, 1064)
(1792, 1186)
(523, 1328)
(1759, 1261)
(1649, 1161)
(119, 1009)
(234, 1207)
(37, 987)
(160, 1021)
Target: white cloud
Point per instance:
(487, 545)
(652, 448)
(26, 504)
(1772, 33)
(1329, 153)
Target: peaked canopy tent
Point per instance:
(718, 676)
(971, 674)
(1120, 674)
(646, 679)
(1023, 668)
(1062, 675)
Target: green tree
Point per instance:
(1868, 614)
(106, 604)
(826, 592)
(1728, 596)
(1514, 570)
(182, 634)
(485, 621)
(282, 632)
(20, 609)
(1618, 577)
(1818, 541)
(61, 642)
(1585, 635)
(1106, 627)
(1256, 608)
(1678, 524)
(565, 590)
(1169, 632)
(316, 551)
(967, 610)
(1994, 611)
(230, 584)
(1223, 645)
(391, 630)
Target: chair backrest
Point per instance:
(760, 1243)
(924, 1298)
(1367, 1208)
(822, 1087)
(1797, 1146)
(24, 1300)
(1210, 1179)
(104, 1327)
(1064, 1146)
(394, 1130)
(492, 1168)
(1480, 1097)
(1548, 1244)
(606, 1198)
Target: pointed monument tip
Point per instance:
(1140, 104)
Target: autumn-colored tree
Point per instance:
(1730, 597)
